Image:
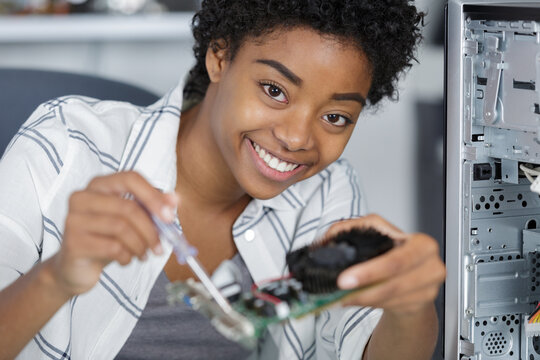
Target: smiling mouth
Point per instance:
(272, 161)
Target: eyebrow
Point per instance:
(296, 80)
(350, 97)
(292, 77)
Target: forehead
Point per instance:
(309, 54)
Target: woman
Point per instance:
(249, 167)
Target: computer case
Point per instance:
(492, 214)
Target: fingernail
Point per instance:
(347, 282)
(158, 249)
(167, 213)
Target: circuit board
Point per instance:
(310, 287)
(247, 322)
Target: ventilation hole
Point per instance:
(496, 205)
(518, 256)
(477, 207)
(524, 204)
(511, 330)
(520, 196)
(493, 258)
(531, 224)
(501, 197)
(477, 323)
(482, 198)
(509, 257)
(483, 333)
(504, 318)
(501, 258)
(487, 206)
(485, 322)
(508, 322)
(492, 198)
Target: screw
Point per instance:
(470, 267)
(469, 312)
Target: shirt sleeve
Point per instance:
(342, 333)
(28, 167)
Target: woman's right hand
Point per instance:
(103, 226)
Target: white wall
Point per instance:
(382, 147)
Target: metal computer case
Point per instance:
(492, 228)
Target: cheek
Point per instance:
(330, 147)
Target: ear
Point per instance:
(216, 59)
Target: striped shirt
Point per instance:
(70, 140)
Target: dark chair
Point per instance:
(21, 91)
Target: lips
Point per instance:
(271, 166)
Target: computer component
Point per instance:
(493, 151)
(310, 286)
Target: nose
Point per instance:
(295, 132)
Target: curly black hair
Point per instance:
(387, 31)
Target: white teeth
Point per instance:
(273, 162)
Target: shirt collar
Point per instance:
(290, 199)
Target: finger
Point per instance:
(397, 261)
(429, 276)
(129, 211)
(369, 221)
(115, 228)
(130, 182)
(102, 249)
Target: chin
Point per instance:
(263, 194)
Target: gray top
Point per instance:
(178, 332)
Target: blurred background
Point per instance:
(397, 149)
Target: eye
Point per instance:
(337, 120)
(275, 92)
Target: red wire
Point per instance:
(255, 289)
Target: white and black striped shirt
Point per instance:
(70, 140)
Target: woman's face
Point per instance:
(284, 108)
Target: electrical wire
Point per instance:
(530, 172)
(535, 316)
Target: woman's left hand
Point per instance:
(404, 280)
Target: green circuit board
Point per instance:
(244, 324)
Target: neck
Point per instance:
(203, 179)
